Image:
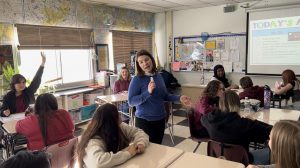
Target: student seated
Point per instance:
(250, 91)
(290, 87)
(27, 159)
(284, 145)
(226, 125)
(107, 141)
(208, 102)
(219, 74)
(19, 97)
(123, 82)
(48, 125)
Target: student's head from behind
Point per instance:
(214, 88)
(27, 159)
(105, 124)
(45, 103)
(219, 71)
(145, 63)
(284, 144)
(124, 74)
(288, 76)
(246, 82)
(229, 102)
(18, 82)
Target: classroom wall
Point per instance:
(212, 20)
(160, 37)
(74, 13)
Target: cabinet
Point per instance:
(79, 102)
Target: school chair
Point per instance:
(226, 151)
(190, 117)
(62, 154)
(169, 113)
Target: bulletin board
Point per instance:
(193, 54)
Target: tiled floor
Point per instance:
(181, 136)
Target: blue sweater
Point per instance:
(149, 106)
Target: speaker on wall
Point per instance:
(229, 8)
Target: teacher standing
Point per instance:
(148, 93)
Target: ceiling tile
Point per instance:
(144, 7)
(163, 4)
(141, 0)
(186, 2)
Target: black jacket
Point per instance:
(231, 128)
(9, 100)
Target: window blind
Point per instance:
(46, 37)
(124, 42)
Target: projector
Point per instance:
(229, 8)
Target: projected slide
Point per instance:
(275, 41)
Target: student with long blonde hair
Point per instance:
(284, 144)
(107, 141)
(227, 126)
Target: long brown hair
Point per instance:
(120, 74)
(288, 76)
(212, 89)
(140, 72)
(285, 144)
(104, 125)
(229, 102)
(45, 105)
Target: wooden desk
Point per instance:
(10, 127)
(155, 155)
(114, 98)
(192, 160)
(272, 115)
(12, 117)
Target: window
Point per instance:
(68, 51)
(124, 43)
(73, 65)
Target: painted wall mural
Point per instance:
(74, 13)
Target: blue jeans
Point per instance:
(261, 156)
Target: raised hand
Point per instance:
(43, 58)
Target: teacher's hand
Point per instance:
(151, 87)
(186, 101)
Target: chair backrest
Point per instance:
(190, 117)
(228, 151)
(62, 154)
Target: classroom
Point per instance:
(150, 83)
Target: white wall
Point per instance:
(212, 20)
(160, 37)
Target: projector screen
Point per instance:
(273, 41)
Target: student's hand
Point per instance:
(151, 87)
(251, 166)
(140, 148)
(6, 112)
(132, 149)
(43, 58)
(186, 101)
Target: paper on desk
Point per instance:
(17, 116)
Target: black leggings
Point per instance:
(155, 129)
